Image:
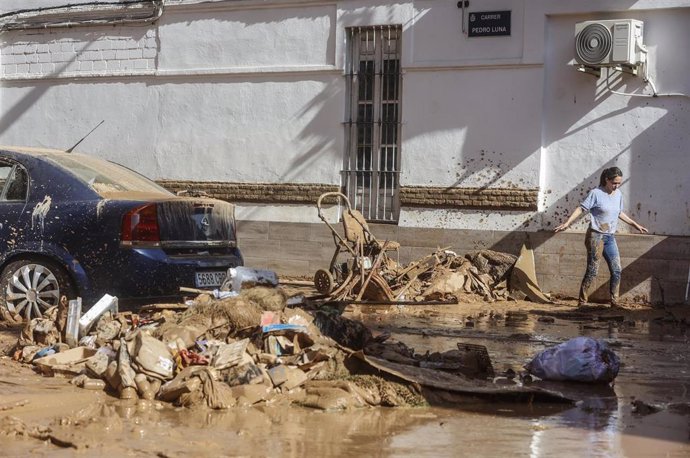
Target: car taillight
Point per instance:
(140, 225)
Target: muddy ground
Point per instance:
(58, 419)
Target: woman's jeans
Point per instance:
(599, 244)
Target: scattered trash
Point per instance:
(361, 269)
(70, 362)
(252, 348)
(523, 278)
(83, 381)
(72, 326)
(246, 277)
(45, 352)
(581, 359)
(149, 355)
(228, 355)
(105, 304)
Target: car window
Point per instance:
(5, 170)
(107, 177)
(13, 182)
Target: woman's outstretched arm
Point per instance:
(632, 222)
(575, 215)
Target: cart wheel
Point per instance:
(323, 281)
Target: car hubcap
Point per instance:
(31, 291)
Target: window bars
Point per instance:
(372, 130)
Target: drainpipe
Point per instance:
(83, 14)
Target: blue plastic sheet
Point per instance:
(581, 359)
(283, 327)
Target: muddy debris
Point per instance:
(443, 276)
(363, 268)
(251, 348)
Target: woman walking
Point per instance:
(605, 205)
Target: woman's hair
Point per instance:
(609, 174)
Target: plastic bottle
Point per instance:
(93, 384)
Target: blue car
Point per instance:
(76, 225)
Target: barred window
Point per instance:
(374, 81)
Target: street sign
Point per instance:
(489, 23)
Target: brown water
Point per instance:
(655, 369)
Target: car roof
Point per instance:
(37, 152)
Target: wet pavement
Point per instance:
(655, 369)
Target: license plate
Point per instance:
(209, 279)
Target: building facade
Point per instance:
(463, 124)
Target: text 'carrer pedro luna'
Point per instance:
(487, 28)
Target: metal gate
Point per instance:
(374, 80)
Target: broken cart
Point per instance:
(358, 256)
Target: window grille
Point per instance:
(372, 130)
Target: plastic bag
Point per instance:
(581, 359)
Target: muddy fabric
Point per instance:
(349, 333)
(359, 391)
(388, 393)
(447, 283)
(338, 394)
(187, 335)
(150, 356)
(220, 318)
(197, 385)
(217, 394)
(270, 299)
(61, 318)
(184, 382)
(598, 245)
(40, 331)
(333, 368)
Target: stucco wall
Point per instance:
(248, 91)
(587, 127)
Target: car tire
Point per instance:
(28, 287)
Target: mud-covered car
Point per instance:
(77, 225)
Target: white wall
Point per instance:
(253, 39)
(236, 95)
(249, 91)
(587, 127)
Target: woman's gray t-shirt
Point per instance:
(604, 208)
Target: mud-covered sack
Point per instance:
(581, 359)
(150, 356)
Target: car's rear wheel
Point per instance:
(29, 287)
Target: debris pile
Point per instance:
(247, 349)
(361, 269)
(444, 275)
(441, 276)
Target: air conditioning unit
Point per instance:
(609, 43)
